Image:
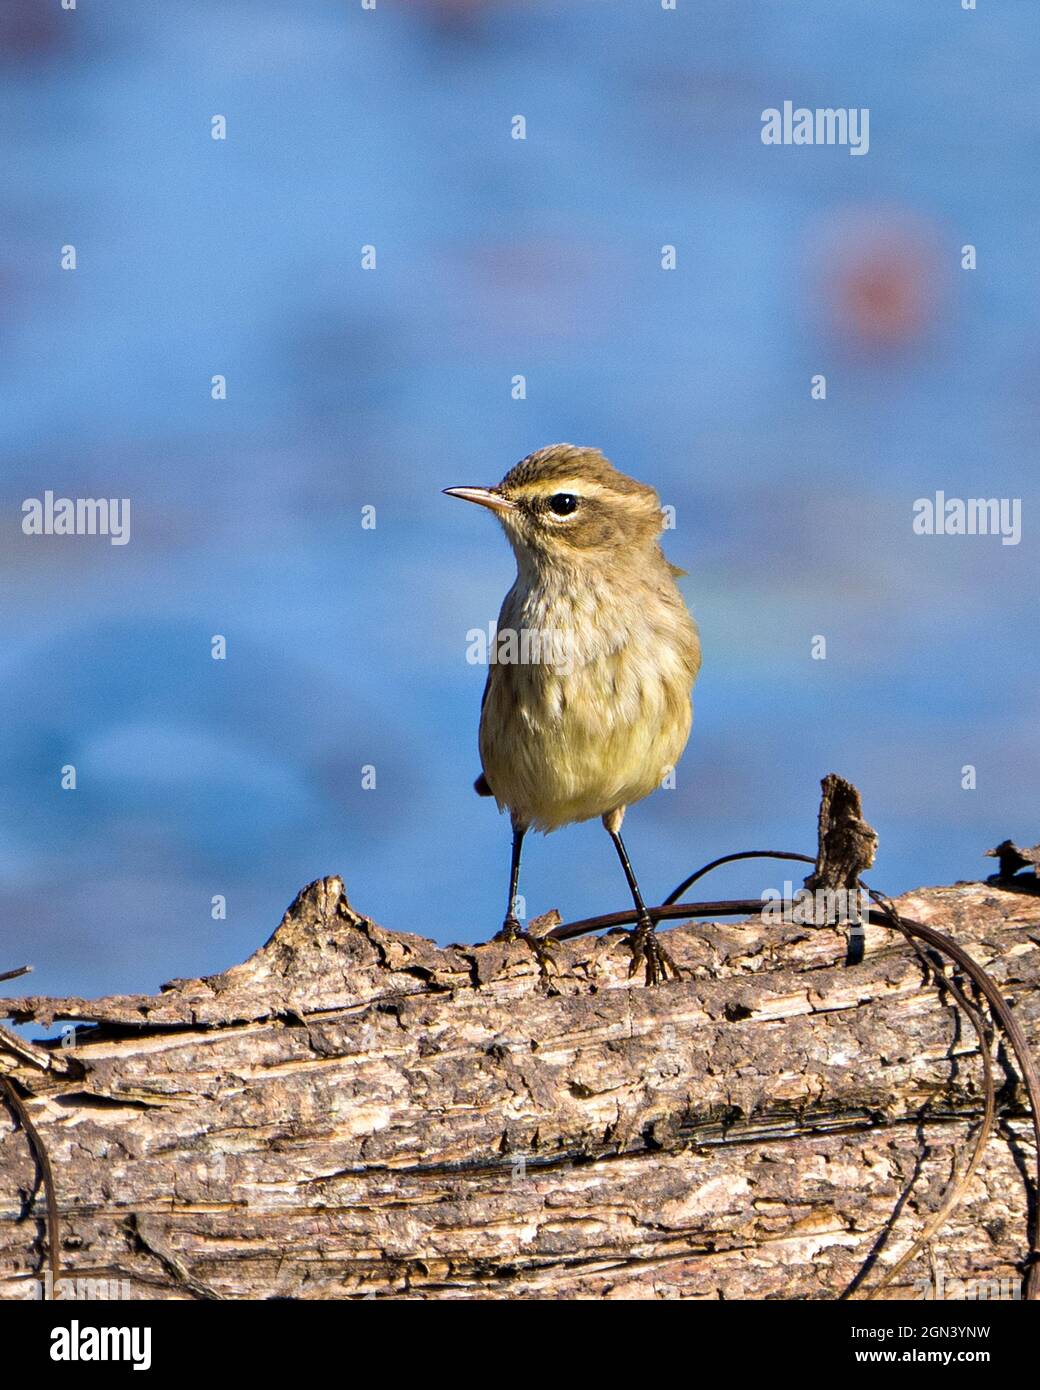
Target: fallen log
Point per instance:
(354, 1112)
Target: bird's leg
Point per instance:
(643, 937)
(511, 928)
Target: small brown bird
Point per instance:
(587, 702)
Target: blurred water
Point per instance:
(346, 647)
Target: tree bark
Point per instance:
(354, 1112)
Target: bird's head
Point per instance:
(566, 505)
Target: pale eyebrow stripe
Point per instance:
(579, 487)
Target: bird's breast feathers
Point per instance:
(588, 700)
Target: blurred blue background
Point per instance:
(350, 388)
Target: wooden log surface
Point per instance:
(354, 1112)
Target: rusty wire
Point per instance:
(45, 1174)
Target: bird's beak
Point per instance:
(483, 496)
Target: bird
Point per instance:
(588, 700)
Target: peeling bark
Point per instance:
(359, 1112)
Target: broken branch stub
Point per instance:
(847, 844)
(1013, 857)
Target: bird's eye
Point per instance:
(563, 503)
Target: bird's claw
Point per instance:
(541, 947)
(646, 948)
(511, 929)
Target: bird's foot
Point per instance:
(541, 947)
(646, 948)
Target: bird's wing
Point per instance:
(480, 786)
